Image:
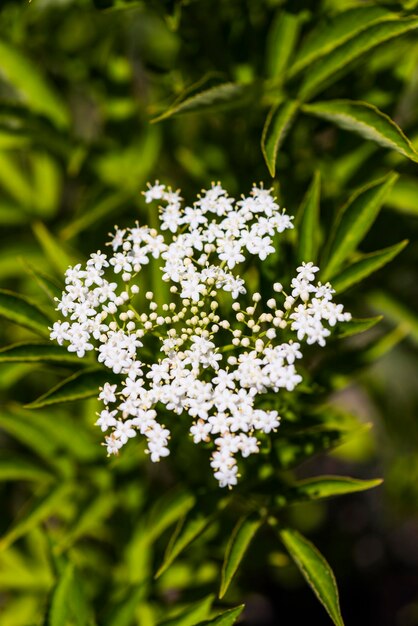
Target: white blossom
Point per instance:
(207, 363)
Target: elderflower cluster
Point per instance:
(211, 352)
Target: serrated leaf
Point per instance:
(336, 64)
(354, 221)
(357, 326)
(23, 312)
(327, 487)
(275, 129)
(78, 386)
(281, 42)
(366, 120)
(37, 352)
(236, 548)
(31, 85)
(226, 618)
(308, 222)
(315, 570)
(36, 512)
(328, 36)
(189, 530)
(366, 265)
(192, 615)
(216, 98)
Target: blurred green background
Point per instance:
(81, 85)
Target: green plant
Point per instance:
(86, 540)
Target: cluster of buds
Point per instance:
(211, 352)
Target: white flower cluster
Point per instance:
(205, 354)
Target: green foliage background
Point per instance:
(95, 100)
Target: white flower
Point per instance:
(230, 251)
(261, 246)
(188, 355)
(106, 419)
(307, 271)
(59, 332)
(124, 430)
(227, 476)
(107, 393)
(154, 192)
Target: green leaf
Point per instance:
(49, 434)
(404, 196)
(68, 605)
(47, 284)
(15, 468)
(366, 120)
(36, 512)
(166, 511)
(89, 520)
(187, 531)
(79, 386)
(11, 138)
(53, 249)
(354, 221)
(338, 29)
(395, 311)
(46, 184)
(226, 618)
(308, 226)
(35, 353)
(61, 613)
(31, 85)
(220, 97)
(95, 213)
(294, 449)
(12, 215)
(366, 265)
(327, 487)
(315, 570)
(236, 548)
(275, 129)
(281, 42)
(192, 615)
(385, 344)
(336, 64)
(126, 168)
(23, 312)
(28, 434)
(14, 181)
(124, 613)
(357, 326)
